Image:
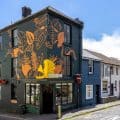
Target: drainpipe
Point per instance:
(110, 82)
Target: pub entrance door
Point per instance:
(47, 98)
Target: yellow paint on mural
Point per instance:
(48, 68)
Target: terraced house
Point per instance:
(110, 77)
(39, 56)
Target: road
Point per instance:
(112, 113)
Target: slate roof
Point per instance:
(47, 9)
(105, 59)
(87, 55)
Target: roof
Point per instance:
(105, 58)
(47, 9)
(88, 55)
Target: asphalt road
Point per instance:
(112, 113)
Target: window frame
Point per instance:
(66, 41)
(89, 92)
(14, 37)
(90, 66)
(59, 100)
(103, 87)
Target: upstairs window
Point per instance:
(116, 70)
(67, 66)
(111, 70)
(90, 66)
(0, 42)
(14, 67)
(67, 34)
(14, 37)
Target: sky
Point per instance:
(101, 19)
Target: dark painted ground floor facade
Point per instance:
(39, 96)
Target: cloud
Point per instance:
(108, 45)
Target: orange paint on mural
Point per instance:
(58, 69)
(25, 69)
(34, 60)
(60, 39)
(16, 52)
(30, 37)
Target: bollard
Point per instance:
(59, 112)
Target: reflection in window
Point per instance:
(14, 37)
(33, 94)
(67, 33)
(67, 66)
(64, 93)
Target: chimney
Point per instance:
(26, 11)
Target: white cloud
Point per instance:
(108, 44)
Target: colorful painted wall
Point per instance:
(40, 51)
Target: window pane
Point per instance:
(58, 94)
(15, 37)
(28, 93)
(70, 90)
(64, 93)
(37, 94)
(32, 94)
(67, 33)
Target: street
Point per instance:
(112, 113)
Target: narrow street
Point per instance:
(112, 113)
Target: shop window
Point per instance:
(90, 66)
(0, 42)
(89, 91)
(67, 34)
(105, 86)
(33, 94)
(13, 94)
(14, 37)
(14, 67)
(67, 66)
(64, 93)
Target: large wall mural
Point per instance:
(40, 52)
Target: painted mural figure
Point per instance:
(31, 46)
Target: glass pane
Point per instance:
(37, 94)
(70, 90)
(32, 94)
(58, 94)
(28, 93)
(64, 93)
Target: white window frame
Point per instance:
(89, 92)
(90, 65)
(105, 91)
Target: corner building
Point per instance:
(39, 56)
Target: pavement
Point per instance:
(68, 115)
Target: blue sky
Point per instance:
(100, 17)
